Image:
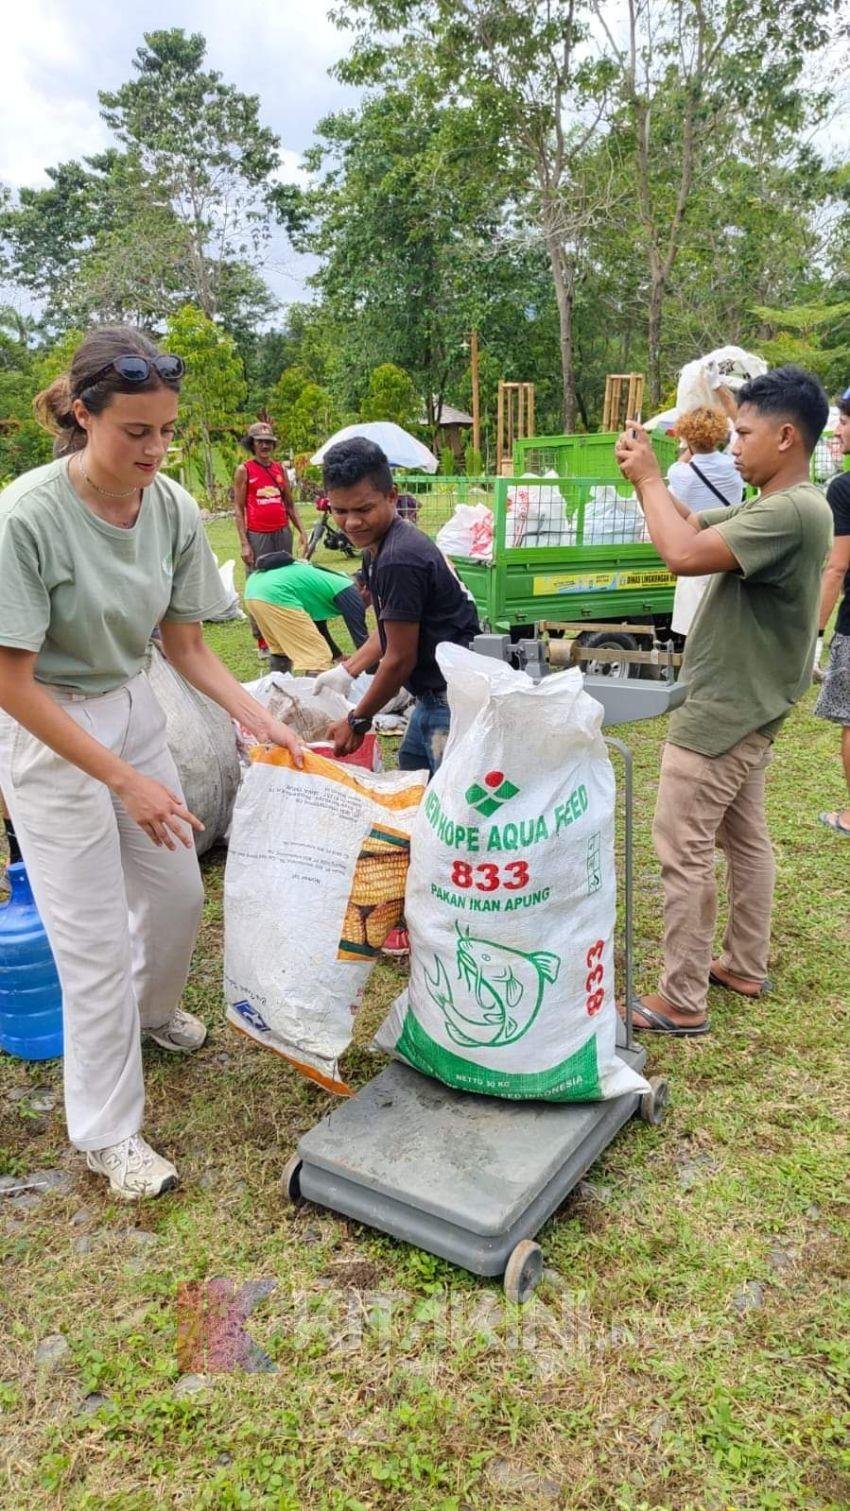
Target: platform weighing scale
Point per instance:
(467, 1177)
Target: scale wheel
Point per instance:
(523, 1271)
(653, 1103)
(290, 1181)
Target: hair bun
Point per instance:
(53, 409)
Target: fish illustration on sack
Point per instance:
(501, 991)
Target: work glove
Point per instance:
(337, 680)
(817, 674)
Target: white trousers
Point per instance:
(121, 913)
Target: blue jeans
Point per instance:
(423, 745)
(350, 605)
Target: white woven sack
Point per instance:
(314, 882)
(511, 895)
(734, 365)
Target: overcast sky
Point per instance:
(57, 54)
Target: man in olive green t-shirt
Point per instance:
(747, 661)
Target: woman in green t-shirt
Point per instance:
(97, 548)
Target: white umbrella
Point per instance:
(399, 447)
(662, 421)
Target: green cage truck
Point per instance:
(564, 549)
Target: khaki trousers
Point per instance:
(292, 633)
(705, 802)
(121, 914)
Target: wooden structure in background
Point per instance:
(623, 399)
(451, 425)
(476, 400)
(515, 421)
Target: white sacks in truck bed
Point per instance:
(511, 895)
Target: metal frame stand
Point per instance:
(470, 1178)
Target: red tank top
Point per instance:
(265, 497)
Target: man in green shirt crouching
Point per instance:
(748, 659)
(292, 601)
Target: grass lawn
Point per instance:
(684, 1351)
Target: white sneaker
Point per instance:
(182, 1033)
(133, 1168)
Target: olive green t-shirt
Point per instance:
(84, 594)
(748, 656)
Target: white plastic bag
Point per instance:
(511, 895)
(536, 516)
(232, 610)
(610, 519)
(469, 532)
(292, 699)
(314, 883)
(361, 685)
(734, 366)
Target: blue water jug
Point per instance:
(30, 994)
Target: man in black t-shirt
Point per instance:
(834, 700)
(418, 602)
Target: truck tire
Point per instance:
(617, 640)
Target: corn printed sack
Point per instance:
(315, 878)
(511, 895)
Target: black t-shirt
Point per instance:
(838, 498)
(410, 580)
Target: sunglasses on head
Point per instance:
(135, 369)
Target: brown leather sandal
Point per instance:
(761, 988)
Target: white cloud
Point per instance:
(57, 54)
(289, 169)
(47, 115)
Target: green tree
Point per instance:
(285, 395)
(201, 141)
(401, 215)
(536, 97)
(176, 214)
(98, 243)
(311, 419)
(214, 387)
(304, 411)
(615, 127)
(391, 396)
(23, 373)
(696, 87)
(798, 335)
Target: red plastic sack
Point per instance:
(368, 756)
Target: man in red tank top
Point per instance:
(262, 499)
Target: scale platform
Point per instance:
(467, 1177)
(463, 1176)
